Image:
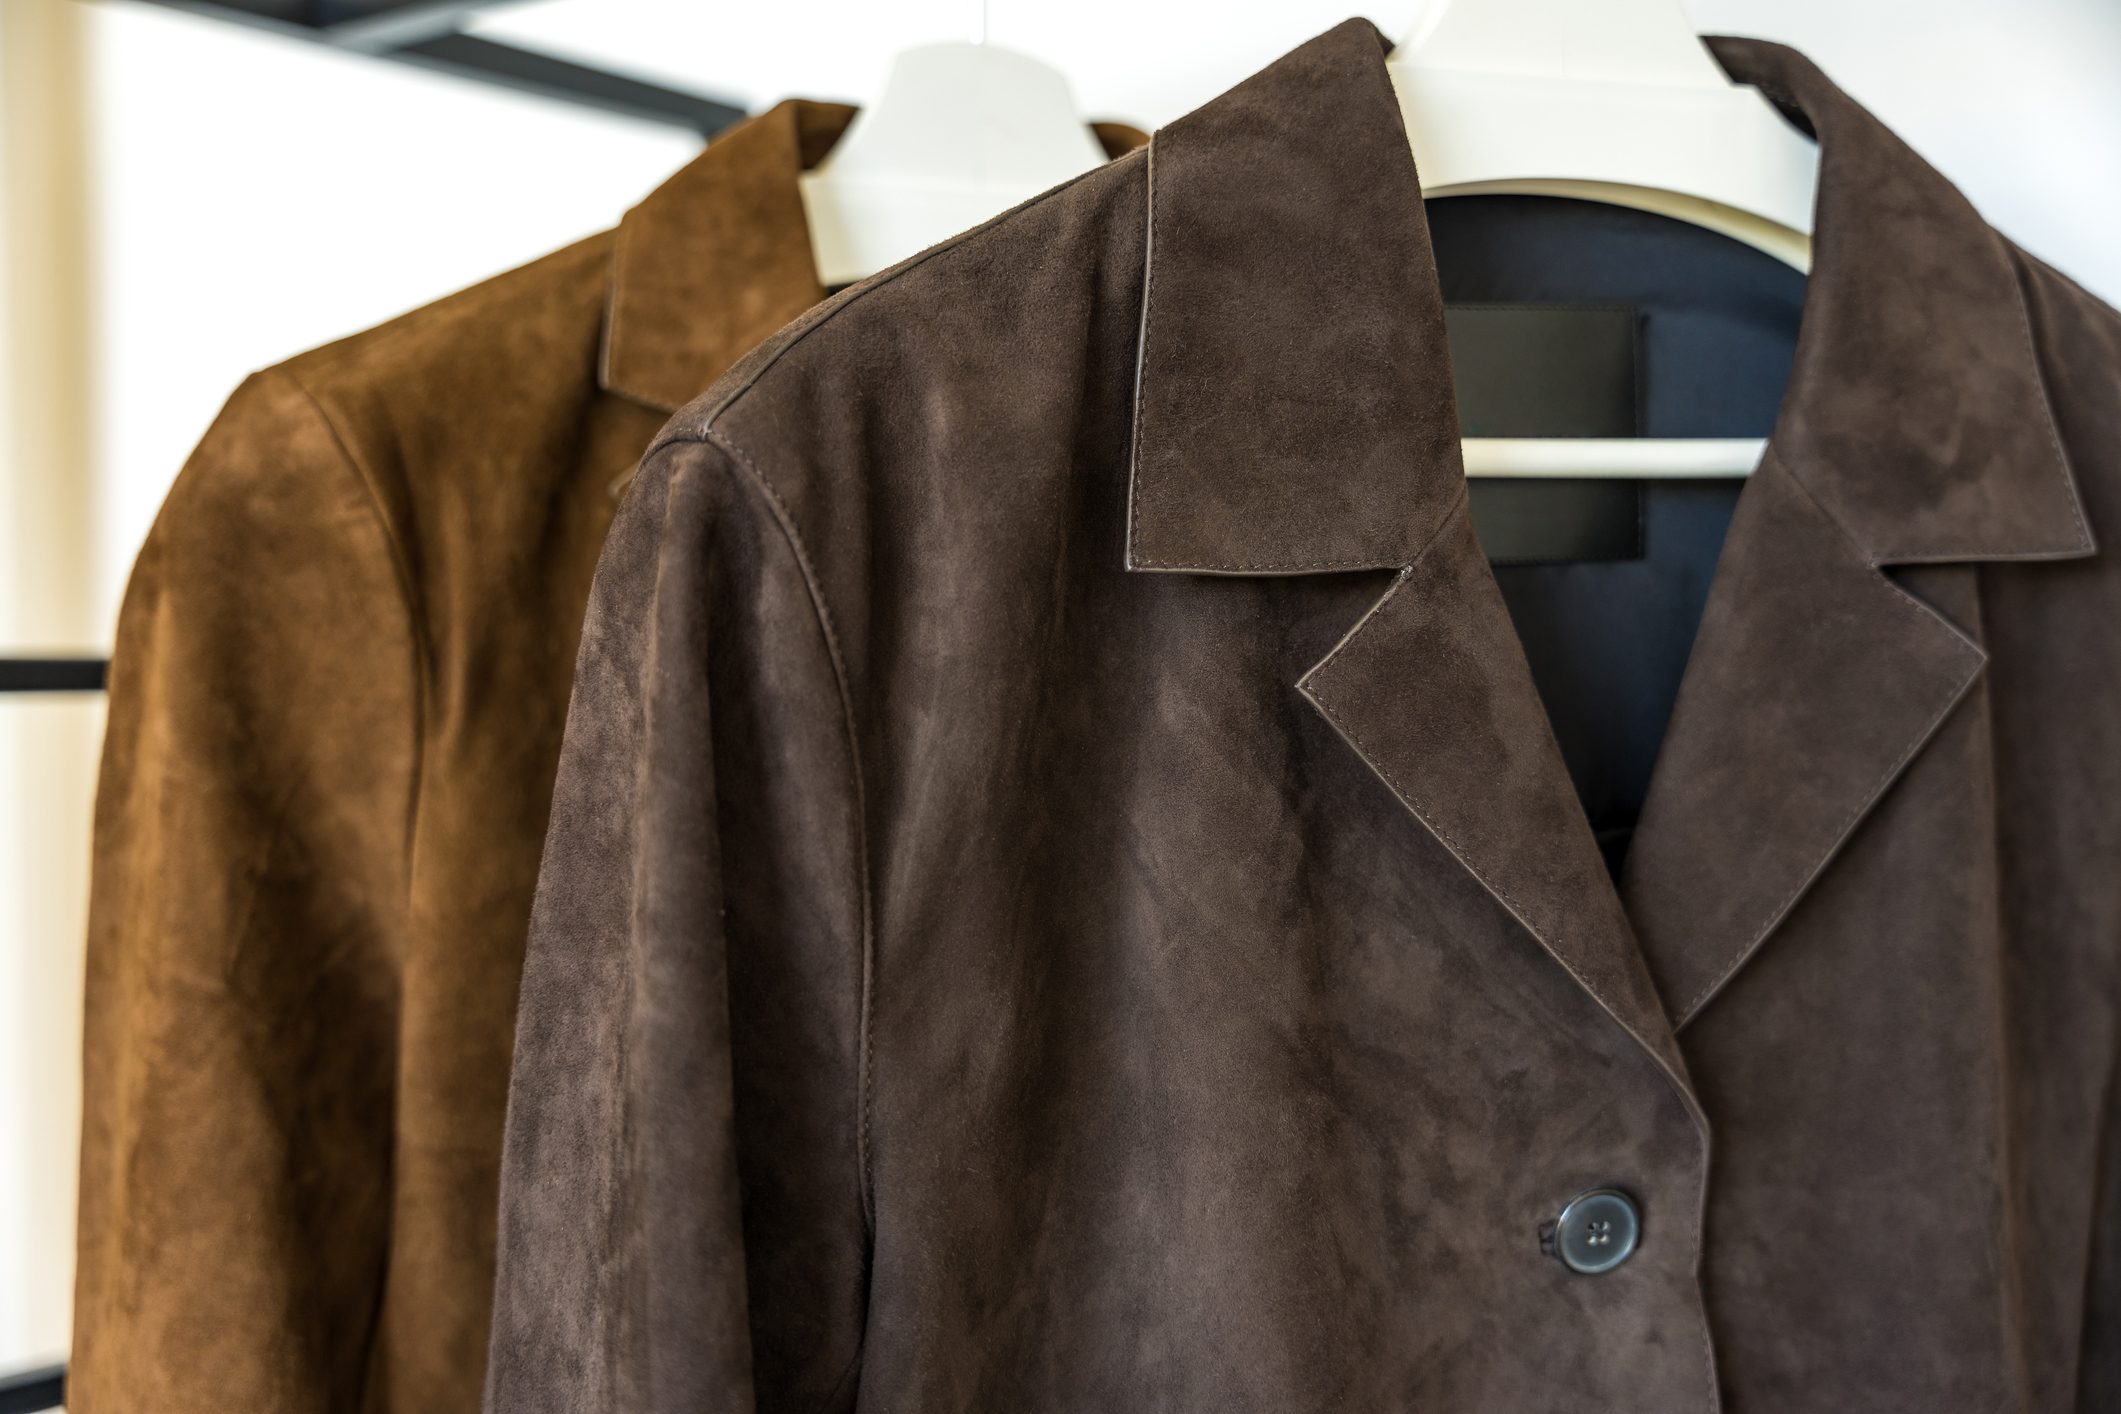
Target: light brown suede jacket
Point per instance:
(336, 703)
(1062, 893)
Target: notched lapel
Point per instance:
(1815, 680)
(1916, 430)
(1432, 690)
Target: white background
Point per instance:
(252, 196)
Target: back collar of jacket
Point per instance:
(717, 258)
(1294, 409)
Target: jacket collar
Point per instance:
(1916, 411)
(1295, 414)
(1294, 411)
(1294, 408)
(718, 257)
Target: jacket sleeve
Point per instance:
(682, 1210)
(246, 902)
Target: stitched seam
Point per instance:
(1856, 812)
(415, 624)
(1975, 552)
(1876, 564)
(1708, 1349)
(1841, 831)
(1534, 306)
(1516, 911)
(1316, 679)
(1380, 561)
(2047, 404)
(1462, 501)
(1135, 480)
(1313, 684)
(865, 1090)
(619, 1322)
(615, 1321)
(1826, 512)
(1423, 815)
(1141, 372)
(421, 652)
(818, 316)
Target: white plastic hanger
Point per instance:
(960, 133)
(1618, 102)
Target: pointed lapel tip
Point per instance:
(1430, 689)
(716, 259)
(1815, 682)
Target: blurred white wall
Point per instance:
(245, 197)
(47, 744)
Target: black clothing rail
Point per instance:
(33, 1390)
(429, 33)
(52, 675)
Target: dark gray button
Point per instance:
(1597, 1231)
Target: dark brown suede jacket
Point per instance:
(336, 703)
(1062, 893)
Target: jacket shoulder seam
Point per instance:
(824, 313)
(821, 611)
(2022, 301)
(401, 573)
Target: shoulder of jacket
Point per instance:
(453, 369)
(270, 451)
(272, 477)
(503, 319)
(873, 329)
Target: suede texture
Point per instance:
(1063, 894)
(336, 703)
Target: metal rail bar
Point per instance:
(528, 71)
(428, 34)
(52, 674)
(28, 1391)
